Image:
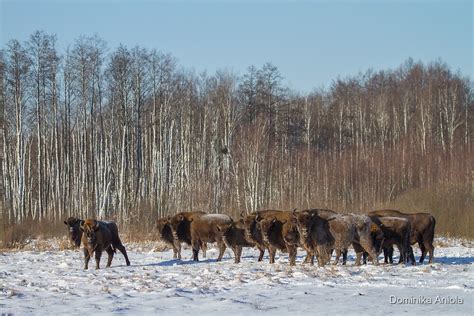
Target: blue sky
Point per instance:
(311, 42)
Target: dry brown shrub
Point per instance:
(453, 208)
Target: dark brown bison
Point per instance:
(280, 232)
(205, 229)
(97, 237)
(253, 233)
(233, 235)
(305, 220)
(422, 229)
(166, 235)
(75, 234)
(396, 231)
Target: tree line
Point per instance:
(129, 134)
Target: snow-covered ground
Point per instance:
(53, 282)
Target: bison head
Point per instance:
(265, 226)
(377, 236)
(162, 223)
(225, 228)
(90, 230)
(250, 224)
(74, 232)
(291, 231)
(174, 222)
(303, 223)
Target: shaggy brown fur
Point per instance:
(279, 232)
(204, 229)
(166, 235)
(97, 237)
(75, 234)
(309, 240)
(396, 231)
(422, 229)
(181, 227)
(253, 233)
(324, 231)
(234, 238)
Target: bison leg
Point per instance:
(364, 257)
(388, 254)
(98, 254)
(196, 245)
(124, 252)
(430, 250)
(309, 257)
(338, 256)
(271, 254)
(262, 252)
(423, 251)
(323, 255)
(292, 254)
(110, 253)
(358, 257)
(344, 257)
(87, 257)
(237, 253)
(176, 250)
(204, 249)
(221, 246)
(411, 255)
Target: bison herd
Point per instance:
(319, 232)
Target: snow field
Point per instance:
(54, 282)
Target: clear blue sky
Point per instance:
(311, 42)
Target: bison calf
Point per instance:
(233, 235)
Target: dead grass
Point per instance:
(452, 207)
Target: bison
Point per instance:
(422, 229)
(166, 235)
(233, 235)
(205, 229)
(279, 232)
(396, 231)
(75, 234)
(97, 237)
(253, 233)
(305, 220)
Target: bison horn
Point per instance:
(242, 214)
(96, 226)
